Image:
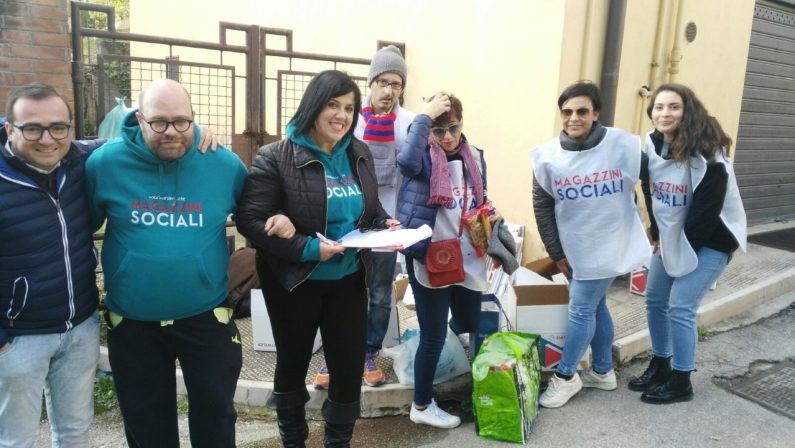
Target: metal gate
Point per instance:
(765, 157)
(271, 84)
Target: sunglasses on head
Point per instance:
(452, 128)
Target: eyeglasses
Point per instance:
(383, 83)
(34, 132)
(161, 126)
(452, 128)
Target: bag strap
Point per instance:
(463, 207)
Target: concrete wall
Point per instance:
(34, 46)
(506, 60)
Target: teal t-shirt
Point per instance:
(345, 207)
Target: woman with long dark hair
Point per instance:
(697, 222)
(323, 180)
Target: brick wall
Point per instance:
(35, 46)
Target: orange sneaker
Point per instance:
(373, 375)
(322, 377)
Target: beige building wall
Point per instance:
(506, 60)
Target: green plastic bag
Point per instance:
(506, 374)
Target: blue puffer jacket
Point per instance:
(47, 259)
(414, 161)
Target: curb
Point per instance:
(639, 343)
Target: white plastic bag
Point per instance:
(452, 362)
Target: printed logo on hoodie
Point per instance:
(342, 187)
(166, 211)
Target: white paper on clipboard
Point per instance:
(385, 238)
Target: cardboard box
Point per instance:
(542, 308)
(401, 283)
(261, 325)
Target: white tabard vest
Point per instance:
(598, 222)
(672, 185)
(446, 227)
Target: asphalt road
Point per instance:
(594, 418)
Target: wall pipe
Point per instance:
(586, 38)
(676, 51)
(656, 73)
(612, 60)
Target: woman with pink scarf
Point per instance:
(444, 177)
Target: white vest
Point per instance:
(446, 227)
(672, 185)
(597, 218)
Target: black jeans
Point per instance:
(142, 357)
(339, 309)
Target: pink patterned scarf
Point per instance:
(441, 190)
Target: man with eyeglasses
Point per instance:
(383, 125)
(49, 327)
(165, 263)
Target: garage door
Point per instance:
(765, 158)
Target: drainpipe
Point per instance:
(586, 38)
(676, 51)
(656, 73)
(612, 60)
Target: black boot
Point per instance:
(291, 417)
(293, 427)
(676, 389)
(340, 419)
(656, 374)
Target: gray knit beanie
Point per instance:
(387, 59)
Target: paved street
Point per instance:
(715, 418)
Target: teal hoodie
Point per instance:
(165, 255)
(345, 207)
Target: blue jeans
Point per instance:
(62, 365)
(589, 324)
(672, 303)
(432, 306)
(382, 274)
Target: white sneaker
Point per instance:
(559, 391)
(433, 415)
(605, 381)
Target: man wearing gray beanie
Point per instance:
(383, 126)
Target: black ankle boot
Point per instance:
(292, 427)
(340, 420)
(656, 374)
(676, 389)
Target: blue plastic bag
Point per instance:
(452, 362)
(111, 124)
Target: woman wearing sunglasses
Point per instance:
(444, 176)
(697, 222)
(584, 203)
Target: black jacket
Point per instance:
(287, 178)
(47, 258)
